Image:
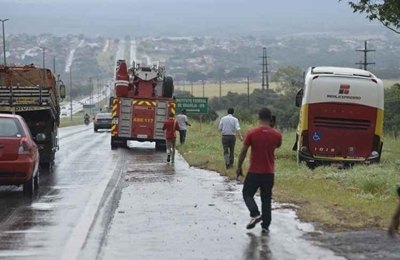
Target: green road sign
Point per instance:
(193, 105)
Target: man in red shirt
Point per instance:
(170, 127)
(394, 224)
(263, 141)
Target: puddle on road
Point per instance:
(33, 231)
(42, 206)
(198, 215)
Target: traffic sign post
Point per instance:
(193, 105)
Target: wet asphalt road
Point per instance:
(130, 204)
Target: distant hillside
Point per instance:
(196, 58)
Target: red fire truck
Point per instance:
(142, 102)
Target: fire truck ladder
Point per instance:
(125, 124)
(161, 115)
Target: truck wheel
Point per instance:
(95, 129)
(47, 165)
(114, 146)
(161, 146)
(36, 180)
(168, 87)
(29, 187)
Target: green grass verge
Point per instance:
(77, 119)
(357, 198)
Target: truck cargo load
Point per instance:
(33, 93)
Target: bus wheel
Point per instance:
(311, 165)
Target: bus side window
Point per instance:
(299, 97)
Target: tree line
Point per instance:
(281, 101)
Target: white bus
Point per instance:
(341, 117)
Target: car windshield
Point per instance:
(10, 127)
(104, 116)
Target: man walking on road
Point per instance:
(394, 224)
(229, 127)
(170, 127)
(263, 141)
(183, 123)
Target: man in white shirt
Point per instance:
(229, 127)
(183, 123)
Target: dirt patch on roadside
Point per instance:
(371, 244)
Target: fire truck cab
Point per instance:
(142, 102)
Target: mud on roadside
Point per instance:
(371, 244)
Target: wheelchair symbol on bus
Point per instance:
(316, 136)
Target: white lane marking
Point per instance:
(81, 231)
(8, 253)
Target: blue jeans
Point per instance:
(252, 183)
(182, 136)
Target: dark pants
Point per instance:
(228, 143)
(251, 184)
(182, 136)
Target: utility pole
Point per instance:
(265, 79)
(365, 64)
(44, 64)
(54, 64)
(4, 41)
(91, 93)
(98, 91)
(220, 88)
(248, 92)
(70, 91)
(203, 86)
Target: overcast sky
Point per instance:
(179, 17)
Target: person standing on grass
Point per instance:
(170, 127)
(183, 123)
(394, 224)
(263, 141)
(229, 127)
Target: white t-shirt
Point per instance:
(229, 125)
(182, 119)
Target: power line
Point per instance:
(265, 79)
(365, 64)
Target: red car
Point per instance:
(19, 155)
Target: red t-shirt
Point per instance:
(170, 126)
(263, 141)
